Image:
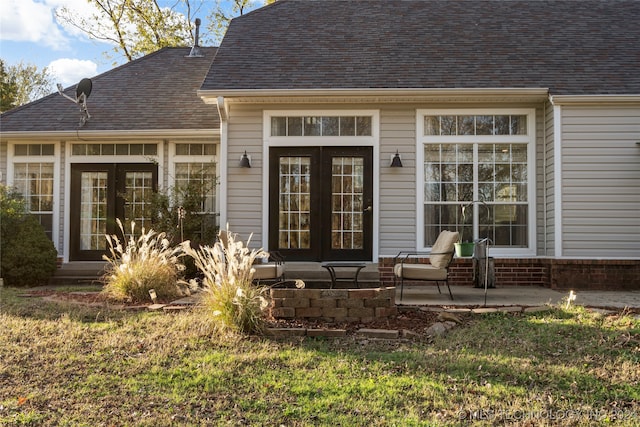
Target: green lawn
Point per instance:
(68, 365)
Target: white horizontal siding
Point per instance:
(3, 161)
(397, 185)
(244, 186)
(601, 182)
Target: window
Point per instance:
(114, 149)
(33, 149)
(477, 178)
(194, 172)
(476, 125)
(195, 149)
(33, 168)
(35, 182)
(201, 176)
(321, 126)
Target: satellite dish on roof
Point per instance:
(83, 90)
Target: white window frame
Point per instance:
(372, 140)
(529, 139)
(54, 158)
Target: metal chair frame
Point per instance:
(406, 255)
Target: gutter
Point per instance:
(595, 99)
(210, 96)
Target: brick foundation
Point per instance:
(547, 272)
(334, 305)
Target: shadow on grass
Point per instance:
(22, 303)
(559, 360)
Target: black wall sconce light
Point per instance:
(245, 161)
(396, 162)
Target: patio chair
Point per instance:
(406, 266)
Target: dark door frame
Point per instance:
(320, 213)
(115, 201)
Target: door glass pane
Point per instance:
(138, 188)
(346, 210)
(93, 211)
(294, 211)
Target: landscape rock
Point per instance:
(436, 330)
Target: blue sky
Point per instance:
(29, 33)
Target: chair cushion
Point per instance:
(444, 244)
(267, 271)
(420, 272)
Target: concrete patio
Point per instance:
(516, 295)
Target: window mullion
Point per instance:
(476, 216)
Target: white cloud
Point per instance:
(68, 71)
(28, 20)
(35, 21)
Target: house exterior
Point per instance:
(147, 130)
(527, 113)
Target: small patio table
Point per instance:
(351, 267)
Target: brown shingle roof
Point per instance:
(155, 92)
(571, 47)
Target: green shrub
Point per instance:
(27, 255)
(228, 293)
(178, 212)
(148, 262)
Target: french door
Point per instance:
(321, 203)
(100, 193)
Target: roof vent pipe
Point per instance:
(195, 50)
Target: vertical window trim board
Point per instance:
(530, 139)
(55, 159)
(223, 188)
(557, 179)
(373, 141)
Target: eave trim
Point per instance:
(106, 135)
(595, 99)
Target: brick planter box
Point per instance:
(334, 305)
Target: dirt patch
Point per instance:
(414, 320)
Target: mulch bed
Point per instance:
(412, 320)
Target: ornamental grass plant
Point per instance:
(229, 296)
(137, 265)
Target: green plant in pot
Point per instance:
(464, 247)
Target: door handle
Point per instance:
(368, 209)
